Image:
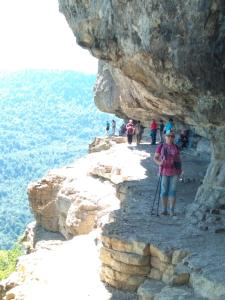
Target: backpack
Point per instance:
(130, 130)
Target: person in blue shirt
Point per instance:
(107, 128)
(169, 125)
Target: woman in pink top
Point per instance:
(130, 129)
(167, 156)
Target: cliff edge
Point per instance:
(103, 206)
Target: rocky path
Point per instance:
(134, 223)
(140, 194)
(71, 269)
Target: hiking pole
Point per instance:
(158, 187)
(160, 181)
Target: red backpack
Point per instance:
(130, 129)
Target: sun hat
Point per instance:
(170, 132)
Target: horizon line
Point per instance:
(11, 70)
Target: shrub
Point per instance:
(8, 260)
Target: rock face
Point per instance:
(100, 144)
(154, 257)
(76, 206)
(159, 59)
(76, 199)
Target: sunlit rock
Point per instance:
(160, 59)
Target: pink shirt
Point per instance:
(170, 155)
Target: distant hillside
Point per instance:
(47, 118)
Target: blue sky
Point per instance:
(33, 34)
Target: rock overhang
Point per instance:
(164, 58)
(160, 59)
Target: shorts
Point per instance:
(168, 186)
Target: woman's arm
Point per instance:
(157, 159)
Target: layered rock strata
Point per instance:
(127, 265)
(76, 199)
(161, 59)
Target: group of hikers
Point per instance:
(167, 157)
(132, 128)
(162, 129)
(182, 139)
(113, 125)
(135, 129)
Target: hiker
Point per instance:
(169, 125)
(130, 131)
(141, 132)
(122, 130)
(184, 135)
(153, 131)
(113, 127)
(107, 128)
(167, 156)
(161, 128)
(138, 132)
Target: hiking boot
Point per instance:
(172, 214)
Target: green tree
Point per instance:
(8, 260)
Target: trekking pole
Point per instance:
(160, 181)
(153, 204)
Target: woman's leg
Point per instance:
(155, 133)
(151, 135)
(161, 137)
(136, 138)
(129, 138)
(172, 192)
(164, 188)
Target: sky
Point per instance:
(35, 35)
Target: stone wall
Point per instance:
(127, 265)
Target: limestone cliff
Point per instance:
(158, 59)
(104, 205)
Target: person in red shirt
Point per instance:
(167, 156)
(153, 131)
(130, 129)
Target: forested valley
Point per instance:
(47, 119)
